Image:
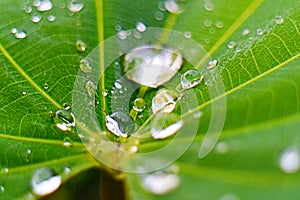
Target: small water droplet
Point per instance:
(27, 155)
(222, 148)
(24, 93)
(2, 189)
(209, 6)
(219, 24)
(190, 79)
(231, 44)
(13, 30)
(171, 6)
(85, 65)
(46, 86)
(5, 170)
(51, 18)
(212, 64)
(163, 101)
(43, 5)
(91, 88)
(207, 23)
(80, 46)
(138, 104)
(64, 120)
(67, 142)
(187, 34)
(20, 34)
(118, 84)
(159, 15)
(259, 31)
(161, 183)
(119, 124)
(118, 27)
(279, 19)
(28, 9)
(151, 65)
(36, 18)
(75, 6)
(141, 27)
(67, 170)
(165, 125)
(290, 160)
(67, 106)
(245, 31)
(44, 181)
(229, 197)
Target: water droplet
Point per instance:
(209, 6)
(5, 170)
(67, 106)
(138, 104)
(190, 79)
(91, 88)
(222, 148)
(159, 15)
(27, 155)
(163, 101)
(36, 18)
(212, 64)
(43, 5)
(259, 31)
(118, 84)
(80, 46)
(119, 124)
(20, 34)
(279, 19)
(2, 189)
(105, 93)
(151, 65)
(207, 23)
(141, 27)
(64, 120)
(290, 160)
(246, 31)
(13, 30)
(67, 170)
(75, 6)
(187, 34)
(219, 24)
(44, 181)
(165, 125)
(85, 65)
(122, 34)
(67, 142)
(229, 197)
(24, 93)
(46, 86)
(28, 9)
(231, 44)
(51, 18)
(118, 27)
(171, 6)
(161, 183)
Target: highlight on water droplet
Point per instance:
(171, 6)
(164, 125)
(51, 18)
(46, 86)
(85, 65)
(36, 18)
(43, 5)
(141, 27)
(290, 160)
(119, 124)
(151, 65)
(212, 64)
(68, 142)
(24, 93)
(64, 120)
(190, 79)
(80, 45)
(164, 101)
(279, 19)
(75, 6)
(207, 23)
(138, 104)
(44, 181)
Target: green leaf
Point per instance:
(259, 73)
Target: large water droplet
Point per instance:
(80, 46)
(138, 104)
(64, 120)
(75, 6)
(43, 5)
(85, 65)
(119, 124)
(44, 181)
(161, 183)
(163, 101)
(290, 160)
(151, 65)
(36, 18)
(190, 79)
(165, 125)
(118, 84)
(259, 31)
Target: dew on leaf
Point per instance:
(36, 18)
(209, 6)
(222, 148)
(159, 15)
(27, 155)
(2, 189)
(118, 84)
(165, 125)
(163, 101)
(91, 88)
(13, 30)
(119, 124)
(219, 24)
(5, 170)
(64, 120)
(259, 31)
(68, 142)
(118, 27)
(212, 64)
(122, 35)
(245, 31)
(187, 34)
(231, 44)
(75, 6)
(51, 18)
(190, 79)
(24, 93)
(171, 6)
(43, 5)
(44, 181)
(28, 9)
(80, 46)
(104, 93)
(138, 105)
(290, 160)
(279, 19)
(67, 106)
(151, 65)
(85, 65)
(141, 27)
(67, 170)
(207, 23)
